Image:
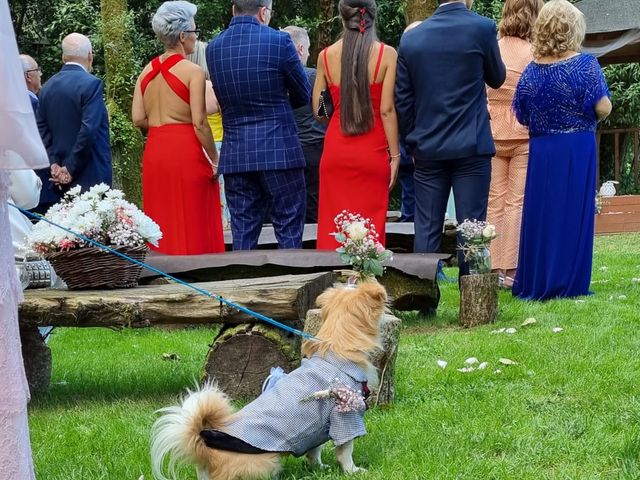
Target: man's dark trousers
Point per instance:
(250, 194)
(312, 155)
(469, 178)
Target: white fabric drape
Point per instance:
(20, 148)
(20, 143)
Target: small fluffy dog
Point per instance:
(319, 401)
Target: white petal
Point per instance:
(604, 269)
(510, 331)
(493, 332)
(471, 361)
(622, 297)
(497, 371)
(528, 321)
(557, 329)
(635, 280)
(466, 369)
(483, 365)
(442, 363)
(580, 301)
(506, 361)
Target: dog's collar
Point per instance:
(346, 366)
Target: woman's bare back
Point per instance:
(161, 104)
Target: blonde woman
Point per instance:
(561, 96)
(509, 166)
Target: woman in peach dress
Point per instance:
(509, 166)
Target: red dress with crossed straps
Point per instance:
(178, 191)
(354, 170)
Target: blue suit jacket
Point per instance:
(258, 79)
(74, 126)
(441, 99)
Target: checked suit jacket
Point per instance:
(258, 80)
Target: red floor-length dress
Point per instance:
(178, 191)
(354, 170)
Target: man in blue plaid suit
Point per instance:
(258, 80)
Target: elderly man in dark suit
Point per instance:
(33, 79)
(74, 125)
(258, 80)
(442, 110)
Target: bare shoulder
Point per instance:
(389, 53)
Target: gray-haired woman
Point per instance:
(180, 159)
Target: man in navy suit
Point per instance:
(442, 110)
(258, 80)
(74, 125)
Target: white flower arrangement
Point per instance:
(100, 214)
(477, 236)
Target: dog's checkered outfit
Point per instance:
(279, 421)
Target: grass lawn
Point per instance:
(569, 409)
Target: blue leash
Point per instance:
(202, 291)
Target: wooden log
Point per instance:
(286, 298)
(478, 299)
(36, 355)
(384, 360)
(241, 357)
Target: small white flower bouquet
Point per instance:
(360, 245)
(477, 236)
(100, 214)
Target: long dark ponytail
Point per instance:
(356, 110)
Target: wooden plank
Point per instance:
(617, 219)
(621, 200)
(285, 298)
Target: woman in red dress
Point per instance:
(361, 155)
(179, 186)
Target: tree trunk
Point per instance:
(327, 12)
(418, 10)
(121, 71)
(478, 299)
(285, 298)
(241, 357)
(37, 359)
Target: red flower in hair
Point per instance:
(363, 24)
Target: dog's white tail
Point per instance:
(176, 434)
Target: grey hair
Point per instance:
(171, 19)
(27, 62)
(250, 7)
(76, 45)
(199, 57)
(299, 35)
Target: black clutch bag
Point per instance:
(325, 107)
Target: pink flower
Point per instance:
(66, 244)
(379, 248)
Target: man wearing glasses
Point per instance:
(33, 79)
(258, 80)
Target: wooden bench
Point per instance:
(285, 298)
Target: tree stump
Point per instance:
(478, 299)
(241, 357)
(37, 359)
(384, 361)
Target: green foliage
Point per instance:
(121, 72)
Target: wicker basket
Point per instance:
(91, 267)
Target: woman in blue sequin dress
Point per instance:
(561, 96)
